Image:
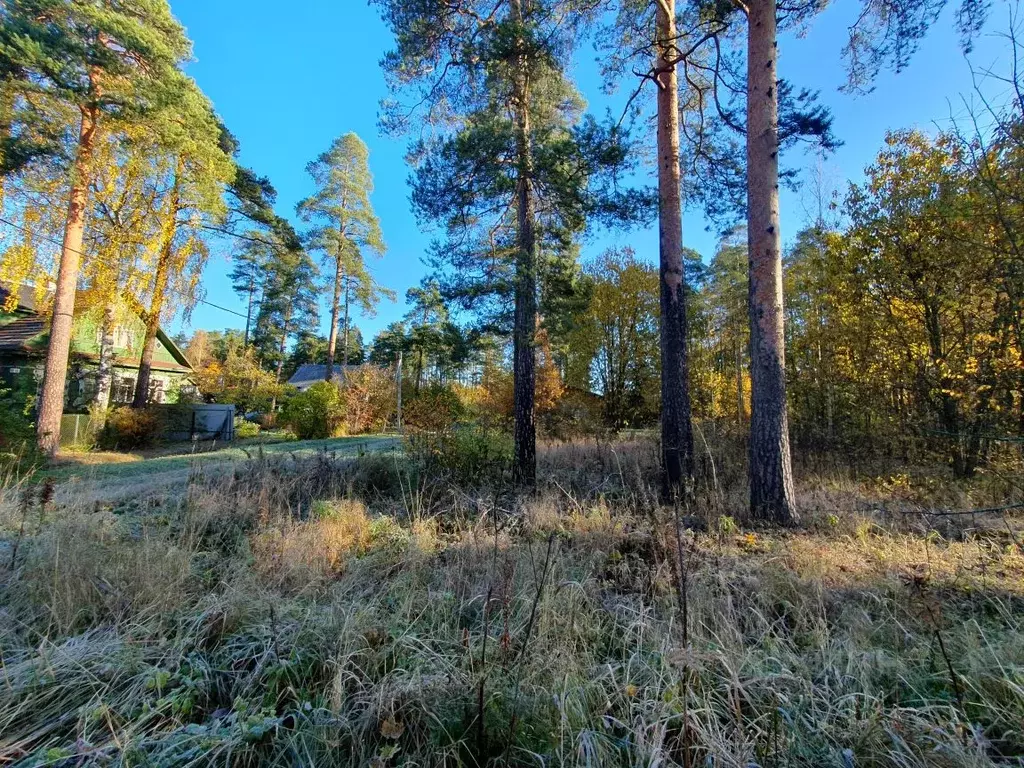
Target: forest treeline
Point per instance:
(903, 315)
(898, 312)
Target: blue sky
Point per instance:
(288, 78)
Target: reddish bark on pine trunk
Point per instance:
(332, 341)
(51, 402)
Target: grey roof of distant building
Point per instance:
(26, 296)
(310, 373)
(26, 326)
(19, 335)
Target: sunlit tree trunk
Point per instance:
(676, 427)
(105, 367)
(345, 336)
(332, 340)
(771, 475)
(51, 402)
(282, 349)
(523, 342)
(160, 281)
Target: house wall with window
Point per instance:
(23, 338)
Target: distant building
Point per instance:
(24, 333)
(309, 374)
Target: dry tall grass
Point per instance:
(326, 611)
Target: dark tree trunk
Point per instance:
(741, 400)
(282, 349)
(771, 474)
(51, 402)
(949, 409)
(248, 309)
(6, 128)
(676, 426)
(525, 321)
(419, 369)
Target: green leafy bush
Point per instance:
(245, 429)
(130, 428)
(17, 432)
(317, 413)
(435, 409)
(467, 455)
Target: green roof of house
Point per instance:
(24, 331)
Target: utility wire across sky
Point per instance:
(87, 256)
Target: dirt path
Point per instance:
(124, 475)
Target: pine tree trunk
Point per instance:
(248, 309)
(771, 475)
(282, 350)
(280, 361)
(524, 470)
(51, 402)
(676, 426)
(105, 367)
(156, 304)
(741, 401)
(344, 347)
(332, 339)
(398, 392)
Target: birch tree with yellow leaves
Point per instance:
(908, 319)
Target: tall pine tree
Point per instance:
(507, 166)
(288, 306)
(103, 58)
(346, 227)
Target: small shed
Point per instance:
(195, 421)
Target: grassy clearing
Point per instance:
(107, 464)
(321, 610)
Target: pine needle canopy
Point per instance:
(119, 56)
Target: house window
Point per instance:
(188, 393)
(120, 338)
(156, 391)
(123, 390)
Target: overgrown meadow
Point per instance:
(408, 609)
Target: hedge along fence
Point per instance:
(179, 422)
(77, 430)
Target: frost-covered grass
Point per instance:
(323, 610)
